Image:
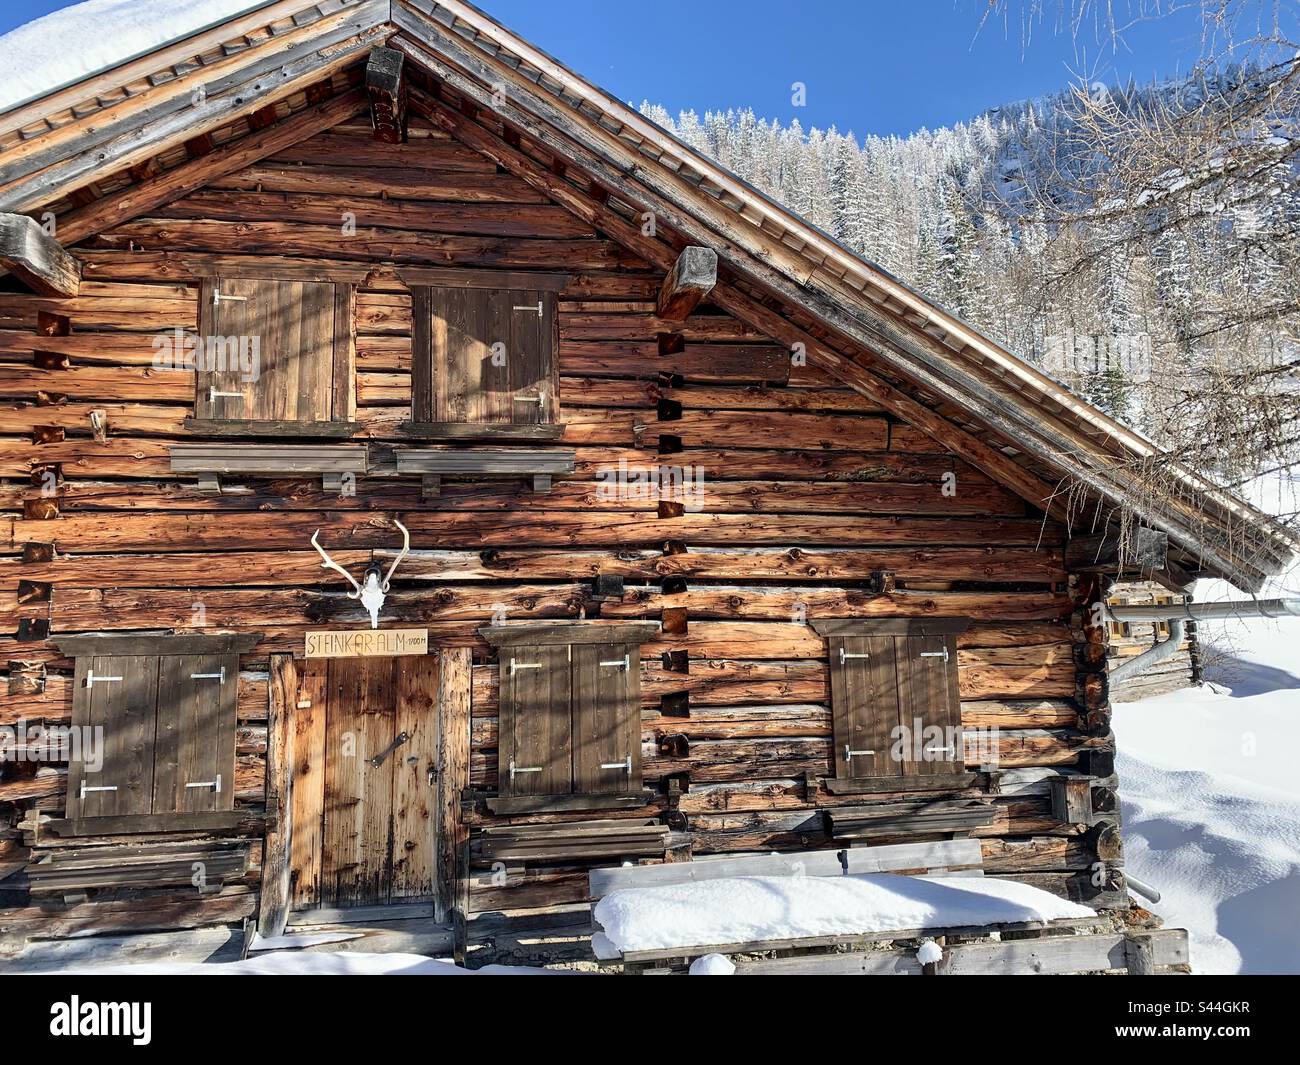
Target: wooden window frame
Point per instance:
(343, 378)
(942, 633)
(585, 639)
(163, 651)
(429, 381)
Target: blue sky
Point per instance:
(869, 65)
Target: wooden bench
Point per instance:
(1054, 948)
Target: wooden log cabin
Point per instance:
(686, 531)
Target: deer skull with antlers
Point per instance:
(374, 584)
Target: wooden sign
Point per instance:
(367, 643)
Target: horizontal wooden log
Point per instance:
(36, 258)
(195, 532)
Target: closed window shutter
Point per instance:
(930, 705)
(194, 756)
(606, 719)
(535, 749)
(303, 369)
(483, 356)
(115, 698)
(865, 705)
(532, 387)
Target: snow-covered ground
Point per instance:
(1211, 792)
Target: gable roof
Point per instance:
(77, 151)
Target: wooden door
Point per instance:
(373, 734)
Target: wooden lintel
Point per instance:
(549, 634)
(688, 283)
(387, 91)
(158, 644)
(1144, 550)
(36, 258)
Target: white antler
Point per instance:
(329, 563)
(406, 546)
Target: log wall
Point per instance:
(808, 489)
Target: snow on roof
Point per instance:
(68, 45)
(762, 908)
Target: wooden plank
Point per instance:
(450, 833)
(573, 633)
(178, 644)
(1040, 956)
(276, 885)
(496, 462)
(414, 768)
(896, 858)
(36, 258)
(309, 707)
(269, 458)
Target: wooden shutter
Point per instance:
(864, 700)
(116, 697)
(929, 704)
(304, 368)
(194, 751)
(536, 731)
(533, 381)
(483, 356)
(606, 718)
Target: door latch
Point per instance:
(398, 740)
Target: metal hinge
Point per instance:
(398, 740)
(210, 676)
(516, 666)
(515, 770)
(215, 393)
(539, 399)
(936, 654)
(845, 655)
(92, 680)
(540, 308)
(215, 785)
(85, 789)
(218, 296)
(625, 765)
(850, 754)
(624, 663)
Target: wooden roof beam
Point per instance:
(387, 89)
(135, 200)
(36, 258)
(688, 284)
